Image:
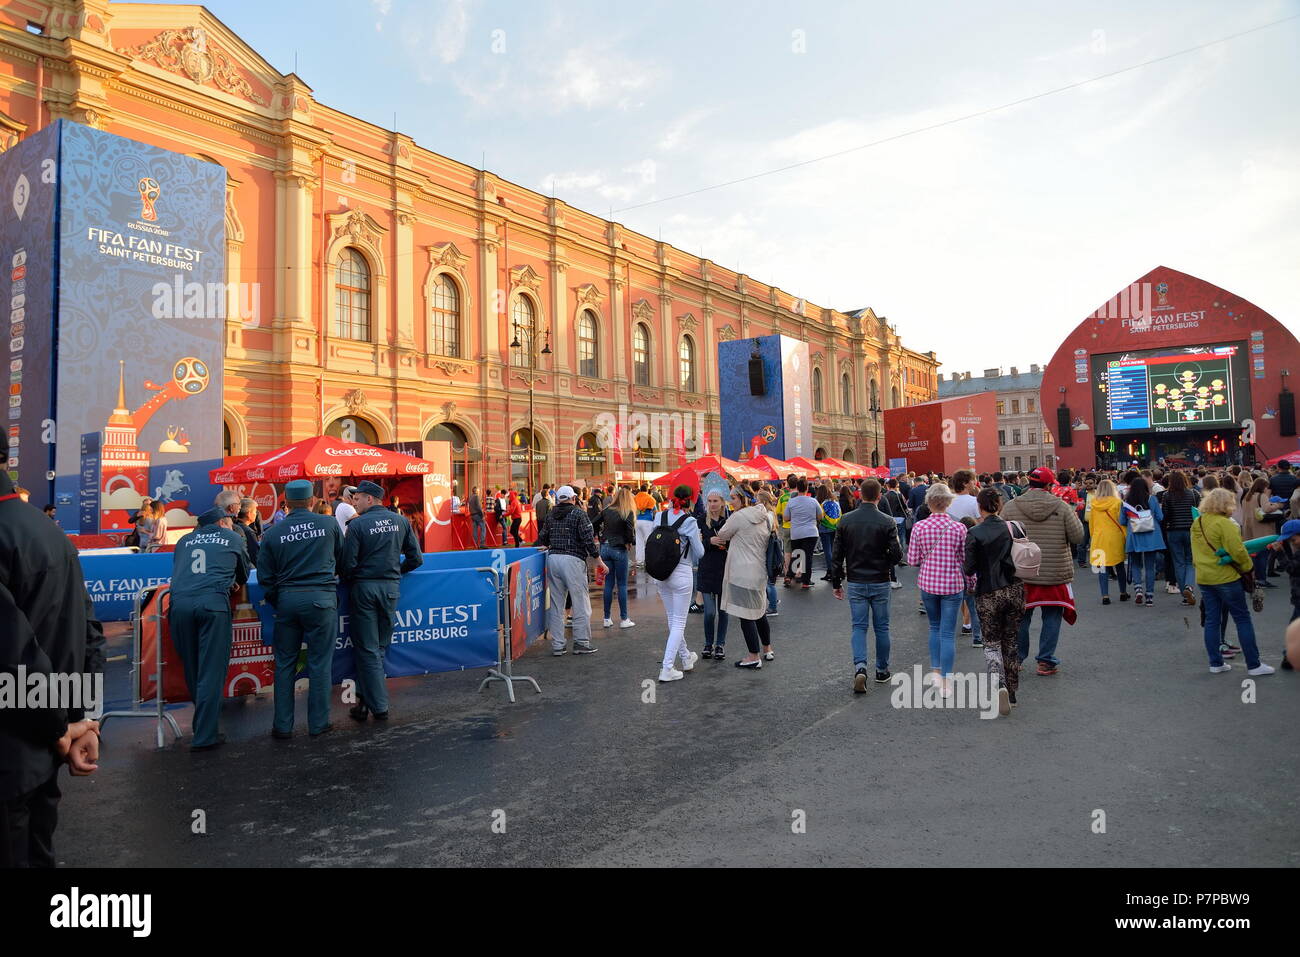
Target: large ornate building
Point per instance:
(381, 290)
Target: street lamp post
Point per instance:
(532, 378)
(875, 429)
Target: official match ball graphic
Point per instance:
(191, 375)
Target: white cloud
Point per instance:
(383, 8)
(452, 31)
(680, 128)
(591, 77)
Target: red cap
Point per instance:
(1043, 474)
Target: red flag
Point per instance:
(618, 445)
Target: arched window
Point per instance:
(523, 323)
(227, 443)
(686, 362)
(352, 297)
(353, 428)
(460, 456)
(589, 456)
(847, 456)
(846, 395)
(588, 358)
(817, 390)
(820, 453)
(444, 321)
(640, 354)
(894, 398)
(519, 467)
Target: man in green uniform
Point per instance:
(378, 550)
(296, 567)
(209, 562)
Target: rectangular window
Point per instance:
(1015, 436)
(1018, 466)
(1033, 461)
(1002, 407)
(1002, 438)
(1015, 406)
(1033, 438)
(1029, 405)
(1002, 464)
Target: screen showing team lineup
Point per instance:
(1169, 390)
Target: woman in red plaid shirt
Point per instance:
(938, 546)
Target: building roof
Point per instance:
(949, 388)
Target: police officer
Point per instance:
(379, 548)
(209, 563)
(296, 568)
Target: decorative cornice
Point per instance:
(525, 276)
(526, 377)
(185, 51)
(648, 396)
(595, 388)
(726, 333)
(446, 254)
(641, 309)
(358, 227)
(688, 322)
(588, 295)
(355, 401)
(452, 367)
(818, 359)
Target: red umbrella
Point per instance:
(818, 468)
(716, 463)
(318, 457)
(682, 476)
(851, 469)
(1292, 457)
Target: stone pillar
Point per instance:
(404, 302)
(561, 324)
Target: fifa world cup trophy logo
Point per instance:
(148, 193)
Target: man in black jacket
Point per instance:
(866, 544)
(48, 627)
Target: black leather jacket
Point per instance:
(988, 556)
(866, 546)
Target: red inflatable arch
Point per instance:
(1172, 368)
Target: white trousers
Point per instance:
(643, 529)
(675, 593)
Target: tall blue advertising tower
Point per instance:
(113, 256)
(765, 387)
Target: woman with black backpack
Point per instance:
(675, 531)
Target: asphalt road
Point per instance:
(783, 766)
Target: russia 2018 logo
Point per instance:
(768, 433)
(149, 190)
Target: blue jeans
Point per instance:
(1233, 598)
(715, 622)
(480, 531)
(976, 634)
(1180, 544)
(615, 556)
(868, 600)
(827, 536)
(942, 610)
(771, 598)
(1047, 638)
(1143, 564)
(1121, 574)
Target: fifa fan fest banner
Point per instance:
(119, 361)
(765, 385)
(526, 593)
(113, 581)
(945, 435)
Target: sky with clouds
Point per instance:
(986, 240)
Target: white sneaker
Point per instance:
(1171, 589)
(1263, 669)
(688, 661)
(609, 622)
(671, 674)
(895, 584)
(931, 678)
(1220, 669)
(627, 623)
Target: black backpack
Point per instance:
(663, 549)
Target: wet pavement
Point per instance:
(782, 766)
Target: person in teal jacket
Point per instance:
(1145, 547)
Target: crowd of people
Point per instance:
(990, 549)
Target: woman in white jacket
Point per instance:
(744, 582)
(677, 589)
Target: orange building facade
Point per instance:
(383, 292)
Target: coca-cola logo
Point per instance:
(372, 453)
(255, 475)
(416, 468)
(334, 469)
(287, 471)
(373, 468)
(265, 501)
(224, 478)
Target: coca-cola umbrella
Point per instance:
(851, 469)
(319, 457)
(714, 463)
(775, 470)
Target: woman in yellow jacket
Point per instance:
(1213, 532)
(1107, 539)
